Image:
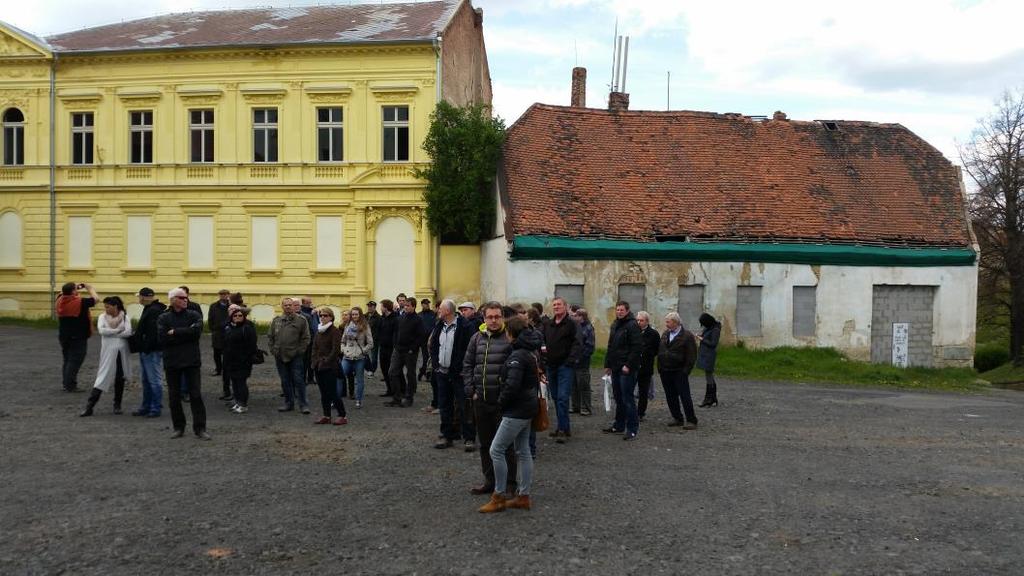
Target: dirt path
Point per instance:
(779, 479)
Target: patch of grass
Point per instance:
(1005, 374)
(40, 323)
(828, 366)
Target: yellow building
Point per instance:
(268, 151)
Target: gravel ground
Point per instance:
(779, 479)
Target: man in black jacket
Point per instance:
(561, 350)
(179, 330)
(147, 342)
(448, 342)
(622, 362)
(386, 343)
(409, 337)
(373, 318)
(677, 355)
(216, 319)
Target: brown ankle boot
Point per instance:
(496, 504)
(521, 501)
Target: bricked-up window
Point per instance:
(805, 303)
(329, 132)
(81, 137)
(571, 293)
(264, 135)
(635, 294)
(200, 132)
(14, 137)
(690, 304)
(140, 126)
(396, 133)
(748, 311)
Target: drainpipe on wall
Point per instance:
(53, 183)
(439, 94)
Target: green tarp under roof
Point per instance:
(561, 248)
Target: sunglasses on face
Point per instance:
(326, 316)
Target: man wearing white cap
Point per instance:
(179, 330)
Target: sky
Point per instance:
(934, 66)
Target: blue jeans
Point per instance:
(347, 367)
(451, 400)
(152, 376)
(517, 431)
(560, 379)
(293, 380)
(624, 386)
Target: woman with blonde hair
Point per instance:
(326, 346)
(356, 345)
(115, 328)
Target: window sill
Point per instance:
(138, 270)
(210, 271)
(263, 272)
(79, 270)
(20, 270)
(342, 272)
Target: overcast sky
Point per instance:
(934, 66)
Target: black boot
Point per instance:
(94, 397)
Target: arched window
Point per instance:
(10, 239)
(14, 137)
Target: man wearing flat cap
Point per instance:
(216, 319)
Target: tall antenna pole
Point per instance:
(668, 90)
(625, 61)
(615, 55)
(618, 65)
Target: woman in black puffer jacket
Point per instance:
(519, 382)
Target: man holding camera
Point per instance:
(74, 329)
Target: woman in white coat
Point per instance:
(115, 328)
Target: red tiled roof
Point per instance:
(356, 23)
(646, 175)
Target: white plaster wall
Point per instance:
(200, 242)
(264, 242)
(328, 242)
(9, 305)
(79, 241)
(394, 260)
(139, 230)
(844, 296)
(10, 240)
(494, 267)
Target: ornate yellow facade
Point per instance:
(307, 187)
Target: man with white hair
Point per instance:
(179, 330)
(289, 338)
(448, 342)
(677, 355)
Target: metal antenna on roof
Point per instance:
(625, 61)
(615, 54)
(668, 90)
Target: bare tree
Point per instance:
(994, 159)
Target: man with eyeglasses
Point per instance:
(178, 330)
(288, 338)
(485, 355)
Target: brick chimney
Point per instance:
(618, 102)
(579, 88)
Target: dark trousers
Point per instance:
(385, 368)
(74, 351)
(644, 384)
(711, 391)
(623, 387)
(403, 374)
(677, 386)
(218, 359)
(310, 372)
(191, 376)
(239, 388)
(327, 381)
(119, 380)
(451, 401)
(488, 418)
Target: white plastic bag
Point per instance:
(607, 379)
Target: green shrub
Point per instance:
(990, 356)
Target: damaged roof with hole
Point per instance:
(680, 175)
(357, 23)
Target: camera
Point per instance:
(80, 286)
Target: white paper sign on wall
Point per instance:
(900, 344)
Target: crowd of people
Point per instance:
(487, 367)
